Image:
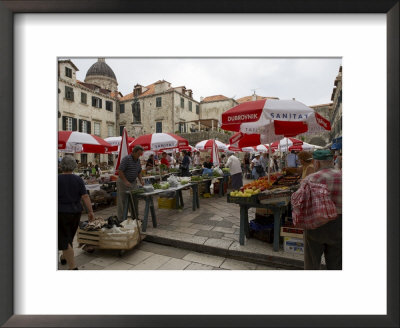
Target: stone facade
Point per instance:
(77, 113)
(323, 138)
(215, 109)
(336, 112)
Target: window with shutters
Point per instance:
(68, 124)
(190, 105)
(158, 102)
(96, 102)
(197, 109)
(109, 106)
(83, 98)
(69, 93)
(84, 126)
(122, 108)
(121, 129)
(182, 102)
(110, 131)
(68, 72)
(97, 129)
(158, 127)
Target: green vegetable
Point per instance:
(196, 178)
(184, 182)
(156, 186)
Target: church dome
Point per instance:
(100, 68)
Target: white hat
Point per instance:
(257, 154)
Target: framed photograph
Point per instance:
(33, 34)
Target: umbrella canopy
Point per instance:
(79, 142)
(116, 141)
(287, 142)
(273, 118)
(188, 148)
(208, 144)
(159, 141)
(251, 149)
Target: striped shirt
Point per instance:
(130, 167)
(333, 180)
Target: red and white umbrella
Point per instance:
(251, 149)
(188, 148)
(273, 118)
(214, 154)
(208, 144)
(80, 142)
(123, 149)
(116, 142)
(159, 141)
(286, 142)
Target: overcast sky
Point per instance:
(310, 81)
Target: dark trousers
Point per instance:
(325, 240)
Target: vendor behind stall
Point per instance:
(164, 159)
(150, 163)
(208, 164)
(129, 170)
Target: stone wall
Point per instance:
(196, 137)
(214, 110)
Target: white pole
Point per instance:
(269, 161)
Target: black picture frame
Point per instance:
(7, 11)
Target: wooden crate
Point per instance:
(109, 240)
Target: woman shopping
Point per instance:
(71, 190)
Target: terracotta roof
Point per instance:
(150, 90)
(116, 94)
(215, 98)
(250, 98)
(94, 87)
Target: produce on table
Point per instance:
(245, 193)
(216, 174)
(183, 182)
(226, 170)
(197, 178)
(156, 186)
(164, 186)
(173, 170)
(163, 167)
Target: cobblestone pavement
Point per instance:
(151, 256)
(212, 229)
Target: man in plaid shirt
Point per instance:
(326, 239)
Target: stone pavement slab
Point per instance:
(119, 265)
(153, 262)
(219, 243)
(135, 256)
(199, 266)
(206, 259)
(175, 264)
(231, 264)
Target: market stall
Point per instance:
(273, 196)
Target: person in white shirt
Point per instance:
(235, 168)
(256, 168)
(197, 159)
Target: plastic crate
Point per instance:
(168, 203)
(293, 245)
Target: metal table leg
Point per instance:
(146, 214)
(153, 212)
(243, 212)
(277, 228)
(181, 198)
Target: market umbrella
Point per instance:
(259, 148)
(116, 142)
(214, 154)
(188, 148)
(208, 144)
(80, 142)
(123, 149)
(272, 119)
(159, 141)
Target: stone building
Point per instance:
(336, 112)
(158, 107)
(88, 106)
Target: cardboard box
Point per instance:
(263, 211)
(293, 245)
(292, 232)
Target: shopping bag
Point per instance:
(312, 206)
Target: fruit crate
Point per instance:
(253, 199)
(168, 203)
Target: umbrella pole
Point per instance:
(269, 162)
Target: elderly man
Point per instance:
(129, 170)
(326, 239)
(235, 168)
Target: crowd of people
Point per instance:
(321, 166)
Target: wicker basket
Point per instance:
(110, 240)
